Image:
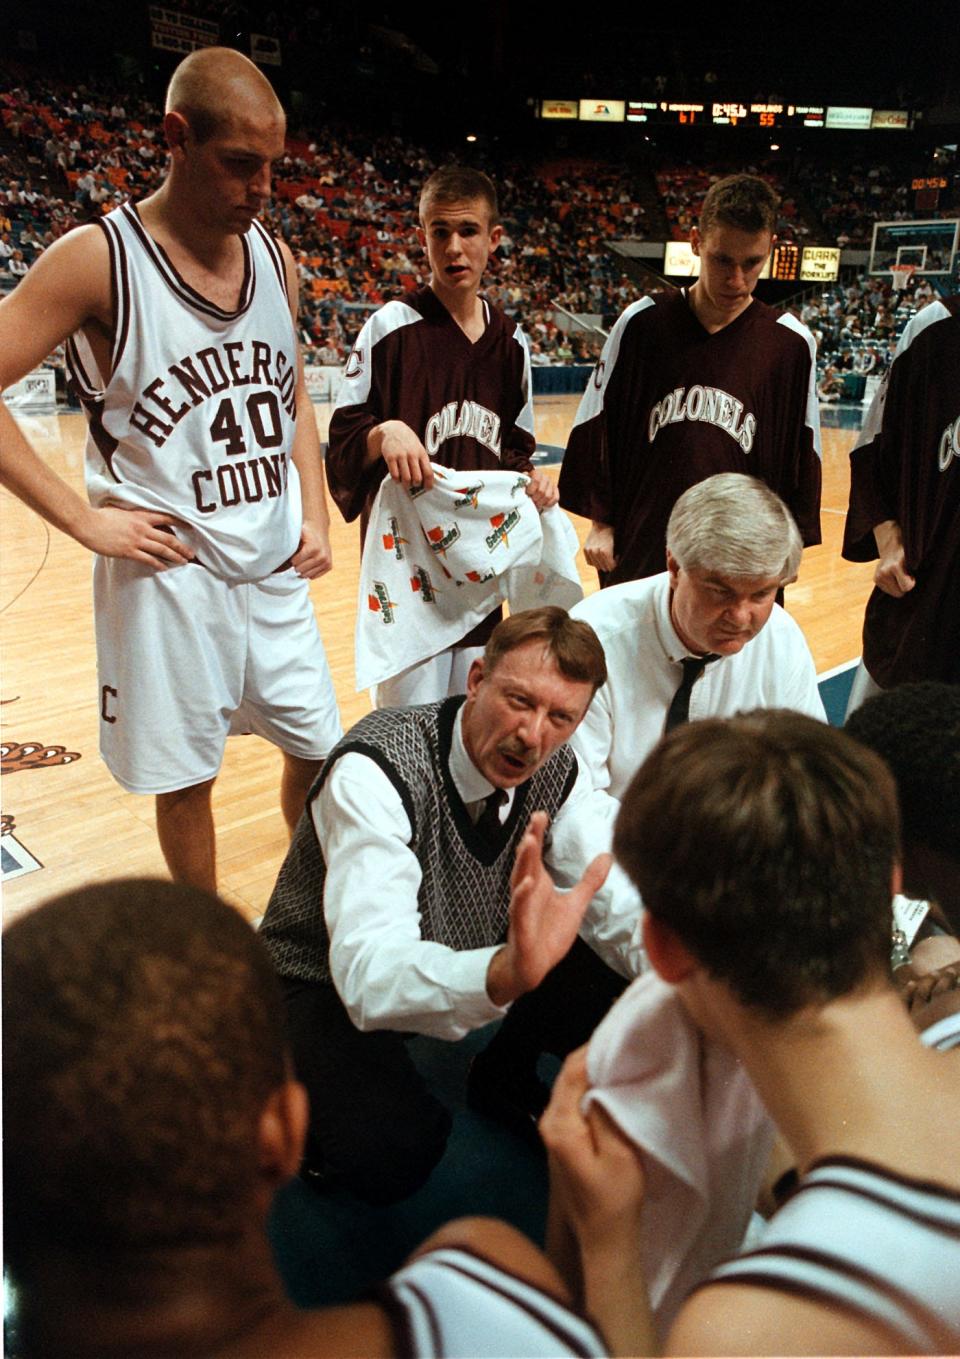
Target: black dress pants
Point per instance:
(375, 1128)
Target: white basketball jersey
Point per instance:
(197, 415)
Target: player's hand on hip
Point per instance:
(594, 1169)
(891, 575)
(313, 557)
(542, 490)
(407, 460)
(543, 920)
(598, 547)
(146, 536)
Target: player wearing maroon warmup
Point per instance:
(439, 375)
(693, 383)
(905, 508)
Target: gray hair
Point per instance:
(735, 526)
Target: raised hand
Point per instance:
(543, 920)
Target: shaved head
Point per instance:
(213, 85)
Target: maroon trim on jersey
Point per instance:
(276, 259)
(828, 1285)
(916, 1185)
(79, 377)
(119, 291)
(124, 306)
(180, 286)
(91, 398)
(570, 1332)
(106, 444)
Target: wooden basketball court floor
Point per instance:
(60, 803)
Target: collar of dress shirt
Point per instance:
(467, 779)
(666, 633)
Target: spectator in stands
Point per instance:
(810, 312)
(883, 322)
(328, 352)
(765, 849)
(867, 360)
(150, 1116)
(830, 384)
(30, 240)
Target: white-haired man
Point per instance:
(704, 639)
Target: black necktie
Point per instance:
(693, 668)
(488, 822)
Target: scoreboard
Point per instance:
(726, 113)
(785, 262)
(788, 262)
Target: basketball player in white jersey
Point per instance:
(766, 849)
(207, 507)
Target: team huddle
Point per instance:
(629, 811)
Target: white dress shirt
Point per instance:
(387, 975)
(626, 718)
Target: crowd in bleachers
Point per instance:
(346, 204)
(823, 200)
(850, 199)
(856, 326)
(347, 213)
(682, 189)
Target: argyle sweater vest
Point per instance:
(464, 894)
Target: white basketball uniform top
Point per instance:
(196, 416)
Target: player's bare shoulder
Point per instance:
(76, 266)
(68, 287)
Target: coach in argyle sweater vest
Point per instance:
(420, 895)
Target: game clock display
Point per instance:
(729, 113)
(785, 264)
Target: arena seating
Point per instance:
(345, 202)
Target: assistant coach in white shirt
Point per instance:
(706, 638)
(420, 896)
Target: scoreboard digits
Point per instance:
(785, 264)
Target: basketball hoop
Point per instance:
(901, 275)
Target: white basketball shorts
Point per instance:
(437, 677)
(185, 659)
